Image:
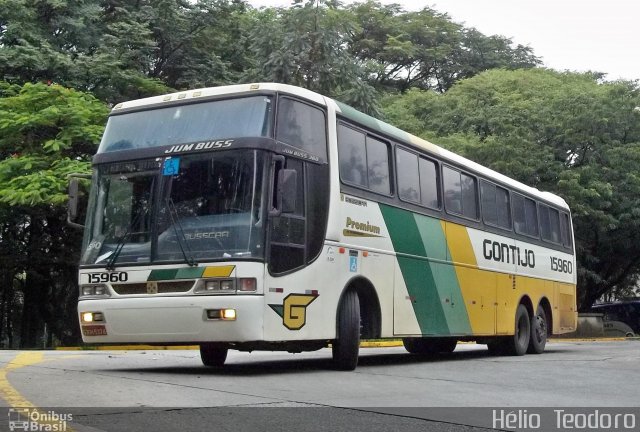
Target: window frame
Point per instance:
(390, 158)
(477, 193)
(438, 178)
(276, 112)
(549, 208)
(535, 202)
(482, 214)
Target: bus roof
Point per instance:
(350, 113)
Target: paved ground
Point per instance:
(390, 390)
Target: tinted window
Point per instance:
(525, 219)
(531, 216)
(469, 196)
(429, 184)
(460, 193)
(549, 224)
(302, 126)
(489, 211)
(378, 166)
(452, 190)
(565, 229)
(364, 160)
(503, 208)
(545, 225)
(408, 178)
(353, 156)
(180, 124)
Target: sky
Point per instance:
(575, 35)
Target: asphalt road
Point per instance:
(390, 389)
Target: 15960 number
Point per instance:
(108, 277)
(561, 265)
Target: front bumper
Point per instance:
(173, 319)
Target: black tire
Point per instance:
(539, 331)
(427, 346)
(347, 343)
(519, 343)
(447, 345)
(213, 354)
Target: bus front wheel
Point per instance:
(347, 343)
(519, 342)
(213, 354)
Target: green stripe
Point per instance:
(428, 281)
(373, 123)
(446, 279)
(417, 273)
(176, 273)
(190, 273)
(162, 274)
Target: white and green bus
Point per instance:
(269, 217)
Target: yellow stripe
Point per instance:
(218, 271)
(13, 398)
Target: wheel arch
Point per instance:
(526, 301)
(370, 312)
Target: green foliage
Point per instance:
(46, 133)
(306, 46)
(425, 49)
(563, 132)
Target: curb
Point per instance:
(364, 344)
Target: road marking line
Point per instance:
(13, 398)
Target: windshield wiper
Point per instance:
(175, 221)
(111, 264)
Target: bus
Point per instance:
(269, 217)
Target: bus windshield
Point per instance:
(240, 117)
(208, 209)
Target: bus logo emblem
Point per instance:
(294, 310)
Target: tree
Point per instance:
(571, 134)
(46, 133)
(425, 49)
(306, 46)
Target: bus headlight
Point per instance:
(227, 286)
(91, 317)
(94, 291)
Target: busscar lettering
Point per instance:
(207, 235)
(506, 253)
(204, 145)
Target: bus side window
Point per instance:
(302, 125)
(288, 231)
(353, 156)
(460, 193)
(525, 217)
(565, 229)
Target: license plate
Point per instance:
(94, 330)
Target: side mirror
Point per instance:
(74, 199)
(287, 190)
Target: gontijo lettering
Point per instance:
(503, 252)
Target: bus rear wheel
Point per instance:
(538, 332)
(213, 354)
(429, 345)
(347, 343)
